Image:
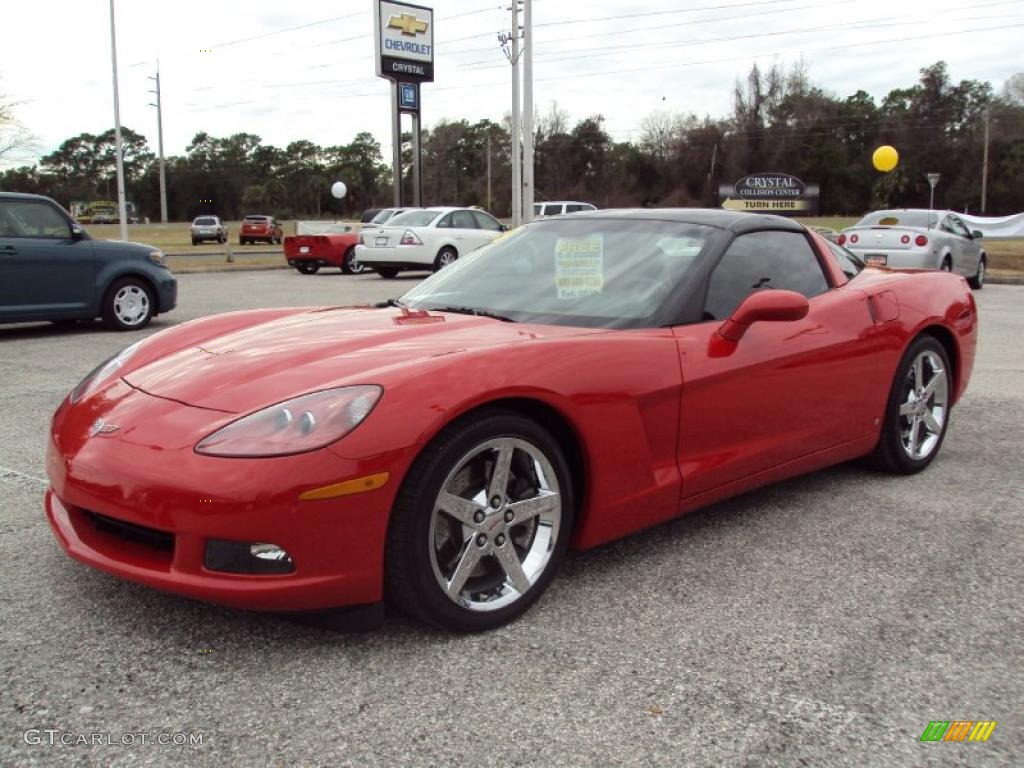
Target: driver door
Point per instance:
(786, 389)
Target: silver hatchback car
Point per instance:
(918, 239)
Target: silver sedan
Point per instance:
(918, 239)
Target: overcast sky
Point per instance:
(620, 58)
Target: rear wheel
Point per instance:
(349, 264)
(128, 305)
(388, 273)
(481, 523)
(444, 257)
(194, 241)
(917, 413)
(978, 281)
(242, 241)
(307, 269)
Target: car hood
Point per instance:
(121, 248)
(247, 369)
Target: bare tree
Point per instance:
(1013, 90)
(16, 142)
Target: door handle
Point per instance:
(8, 249)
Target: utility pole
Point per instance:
(160, 139)
(488, 172)
(511, 40)
(984, 160)
(122, 208)
(528, 111)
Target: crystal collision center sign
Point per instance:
(770, 193)
(404, 42)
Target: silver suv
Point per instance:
(208, 228)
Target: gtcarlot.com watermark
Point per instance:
(54, 737)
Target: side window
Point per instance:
(483, 221)
(762, 260)
(447, 222)
(553, 210)
(25, 219)
(537, 210)
(463, 220)
(959, 227)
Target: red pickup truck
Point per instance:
(307, 253)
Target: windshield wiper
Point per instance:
(389, 303)
(473, 311)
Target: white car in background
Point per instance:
(431, 238)
(918, 239)
(558, 207)
(384, 215)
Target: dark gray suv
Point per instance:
(50, 269)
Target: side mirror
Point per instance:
(977, 234)
(77, 233)
(504, 227)
(764, 305)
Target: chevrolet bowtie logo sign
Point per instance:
(408, 23)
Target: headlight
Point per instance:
(157, 257)
(102, 372)
(295, 426)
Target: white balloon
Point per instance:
(338, 189)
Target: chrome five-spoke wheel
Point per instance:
(918, 409)
(494, 524)
(481, 522)
(924, 405)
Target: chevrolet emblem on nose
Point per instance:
(100, 427)
(408, 23)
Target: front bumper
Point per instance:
(147, 474)
(167, 290)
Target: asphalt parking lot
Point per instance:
(823, 621)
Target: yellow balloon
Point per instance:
(885, 158)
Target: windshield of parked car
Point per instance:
(383, 216)
(923, 219)
(257, 219)
(603, 273)
(205, 222)
(414, 219)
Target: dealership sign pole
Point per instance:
(404, 41)
(122, 208)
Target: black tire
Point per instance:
(242, 241)
(388, 273)
(307, 269)
(890, 454)
(978, 281)
(194, 241)
(409, 580)
(222, 239)
(947, 264)
(444, 257)
(349, 265)
(114, 317)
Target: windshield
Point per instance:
(257, 219)
(601, 273)
(414, 218)
(205, 222)
(923, 219)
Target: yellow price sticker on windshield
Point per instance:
(579, 266)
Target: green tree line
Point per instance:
(780, 121)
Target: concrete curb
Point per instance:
(241, 251)
(198, 269)
(1004, 279)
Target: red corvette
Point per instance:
(580, 379)
(307, 253)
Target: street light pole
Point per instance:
(122, 208)
(984, 161)
(160, 138)
(517, 168)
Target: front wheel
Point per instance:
(917, 412)
(947, 265)
(307, 269)
(481, 523)
(128, 305)
(978, 281)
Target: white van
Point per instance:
(558, 207)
